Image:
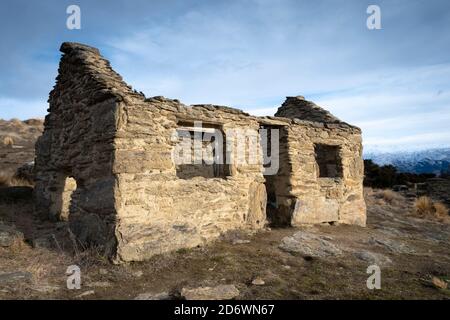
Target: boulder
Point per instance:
(373, 258)
(258, 282)
(439, 283)
(153, 296)
(9, 235)
(221, 292)
(392, 245)
(86, 293)
(239, 241)
(309, 244)
(43, 242)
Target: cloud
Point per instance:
(411, 142)
(404, 105)
(250, 54)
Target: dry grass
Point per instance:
(426, 208)
(389, 196)
(423, 206)
(441, 211)
(45, 266)
(8, 141)
(39, 267)
(18, 246)
(91, 257)
(7, 179)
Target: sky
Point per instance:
(394, 82)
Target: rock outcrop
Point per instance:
(221, 292)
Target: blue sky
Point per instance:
(394, 83)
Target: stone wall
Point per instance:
(304, 196)
(157, 211)
(106, 163)
(75, 154)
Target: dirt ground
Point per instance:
(411, 252)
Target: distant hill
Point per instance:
(425, 161)
(17, 139)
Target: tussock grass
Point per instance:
(8, 141)
(389, 196)
(423, 206)
(8, 179)
(18, 246)
(5, 179)
(427, 208)
(441, 209)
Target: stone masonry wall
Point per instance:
(106, 163)
(75, 154)
(159, 212)
(304, 196)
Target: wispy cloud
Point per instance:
(411, 142)
(250, 54)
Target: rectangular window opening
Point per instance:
(208, 160)
(328, 160)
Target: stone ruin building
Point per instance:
(105, 164)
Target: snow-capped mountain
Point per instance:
(424, 161)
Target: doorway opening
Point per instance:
(276, 173)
